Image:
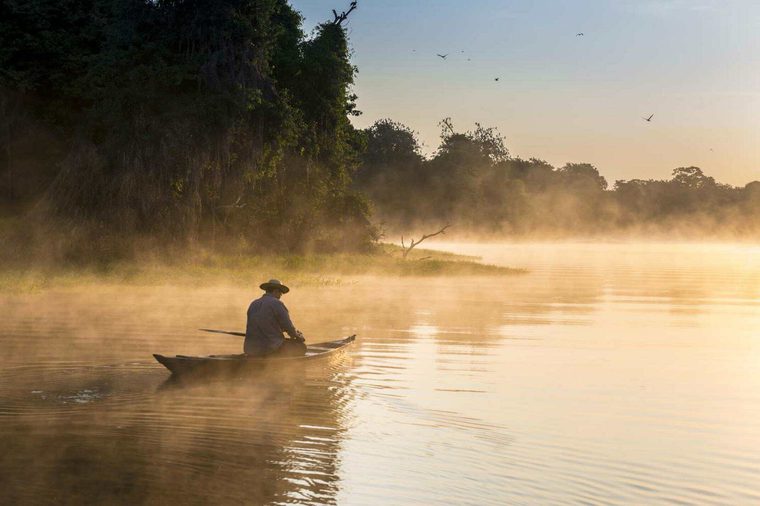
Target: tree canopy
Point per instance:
(185, 119)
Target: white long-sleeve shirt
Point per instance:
(268, 318)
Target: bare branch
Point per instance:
(343, 15)
(426, 236)
(445, 125)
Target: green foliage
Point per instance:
(389, 144)
(184, 119)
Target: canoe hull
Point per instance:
(233, 364)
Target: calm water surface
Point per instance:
(609, 374)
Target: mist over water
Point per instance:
(609, 373)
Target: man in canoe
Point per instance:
(268, 318)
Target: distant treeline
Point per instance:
(471, 181)
(222, 122)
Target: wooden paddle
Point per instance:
(242, 334)
(224, 332)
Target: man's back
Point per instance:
(268, 318)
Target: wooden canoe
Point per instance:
(183, 364)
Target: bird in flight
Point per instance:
(442, 56)
(579, 34)
(649, 118)
(495, 78)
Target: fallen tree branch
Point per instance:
(412, 244)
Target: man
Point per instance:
(268, 318)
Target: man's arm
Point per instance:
(283, 318)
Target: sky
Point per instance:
(560, 97)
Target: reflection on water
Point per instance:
(607, 374)
(114, 437)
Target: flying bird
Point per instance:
(495, 78)
(579, 34)
(649, 118)
(443, 56)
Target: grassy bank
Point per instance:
(204, 268)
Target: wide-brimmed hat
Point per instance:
(272, 284)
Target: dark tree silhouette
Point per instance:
(184, 120)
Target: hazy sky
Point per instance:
(694, 64)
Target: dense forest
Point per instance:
(213, 120)
(221, 122)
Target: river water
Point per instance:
(607, 374)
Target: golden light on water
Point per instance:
(607, 373)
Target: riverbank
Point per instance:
(204, 267)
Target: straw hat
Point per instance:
(272, 284)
